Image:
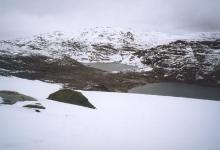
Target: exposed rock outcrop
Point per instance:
(71, 97)
(11, 97)
(193, 61)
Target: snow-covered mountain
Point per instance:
(121, 120)
(97, 44)
(185, 57)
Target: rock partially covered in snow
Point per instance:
(10, 97)
(35, 106)
(1, 100)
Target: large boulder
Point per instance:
(71, 97)
(11, 97)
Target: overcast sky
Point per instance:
(27, 17)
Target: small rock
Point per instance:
(35, 106)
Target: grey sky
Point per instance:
(26, 17)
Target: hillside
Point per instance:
(190, 58)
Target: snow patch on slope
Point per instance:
(35, 88)
(122, 121)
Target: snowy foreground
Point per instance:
(121, 122)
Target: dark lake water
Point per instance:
(179, 90)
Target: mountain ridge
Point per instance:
(83, 47)
(193, 58)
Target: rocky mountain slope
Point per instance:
(193, 58)
(186, 60)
